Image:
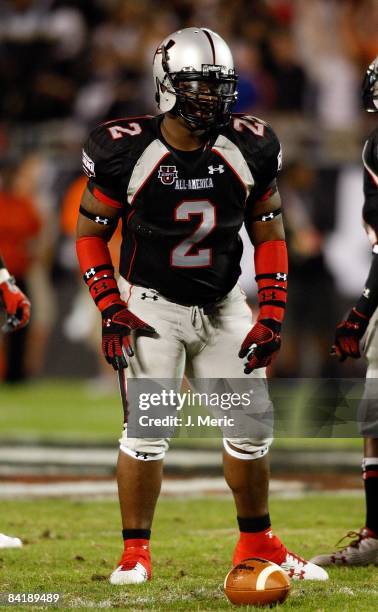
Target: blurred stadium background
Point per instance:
(66, 66)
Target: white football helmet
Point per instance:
(195, 78)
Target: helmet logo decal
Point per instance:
(168, 174)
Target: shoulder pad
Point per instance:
(257, 141)
(112, 146)
(260, 148)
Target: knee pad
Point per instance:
(246, 449)
(144, 449)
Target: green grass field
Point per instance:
(72, 546)
(68, 411)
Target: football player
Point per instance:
(362, 548)
(17, 308)
(183, 184)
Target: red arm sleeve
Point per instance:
(271, 266)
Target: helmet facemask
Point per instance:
(204, 102)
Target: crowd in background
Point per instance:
(67, 65)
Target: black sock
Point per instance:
(136, 534)
(254, 525)
(370, 476)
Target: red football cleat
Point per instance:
(266, 545)
(135, 564)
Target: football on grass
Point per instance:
(256, 582)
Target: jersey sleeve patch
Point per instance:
(88, 165)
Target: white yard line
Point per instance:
(104, 488)
(76, 457)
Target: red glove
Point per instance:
(15, 304)
(261, 344)
(117, 320)
(348, 335)
(264, 340)
(117, 324)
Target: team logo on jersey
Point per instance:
(88, 165)
(168, 174)
(213, 169)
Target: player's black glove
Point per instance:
(348, 335)
(117, 324)
(15, 304)
(261, 344)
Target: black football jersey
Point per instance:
(182, 210)
(370, 159)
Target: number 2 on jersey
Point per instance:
(181, 255)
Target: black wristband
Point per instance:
(99, 219)
(273, 325)
(268, 216)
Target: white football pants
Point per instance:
(189, 343)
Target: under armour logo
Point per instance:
(96, 289)
(102, 220)
(269, 296)
(281, 276)
(300, 575)
(90, 272)
(145, 296)
(269, 534)
(142, 455)
(213, 169)
(267, 217)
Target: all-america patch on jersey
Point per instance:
(182, 210)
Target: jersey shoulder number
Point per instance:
(260, 148)
(112, 146)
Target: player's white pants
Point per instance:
(191, 343)
(368, 412)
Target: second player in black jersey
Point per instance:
(362, 321)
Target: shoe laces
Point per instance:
(354, 536)
(133, 555)
(299, 560)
